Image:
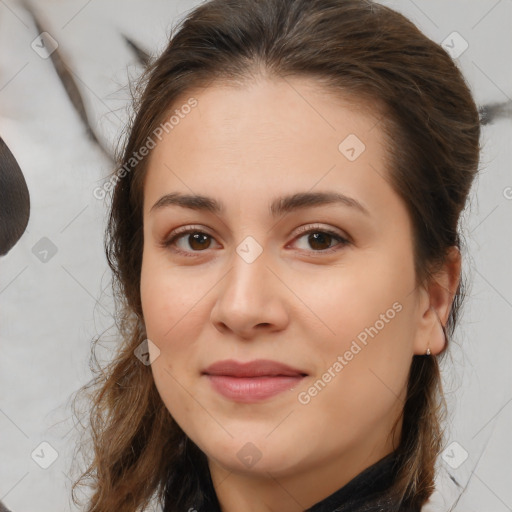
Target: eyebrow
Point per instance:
(279, 206)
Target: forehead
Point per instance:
(290, 109)
(268, 136)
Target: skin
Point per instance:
(296, 303)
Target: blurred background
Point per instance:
(65, 74)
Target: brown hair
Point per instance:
(354, 48)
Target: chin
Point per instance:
(254, 458)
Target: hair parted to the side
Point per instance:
(356, 49)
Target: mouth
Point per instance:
(253, 381)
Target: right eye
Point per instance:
(197, 240)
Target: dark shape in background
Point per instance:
(2, 508)
(142, 56)
(14, 194)
(14, 200)
(493, 111)
(65, 74)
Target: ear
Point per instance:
(435, 304)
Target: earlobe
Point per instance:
(431, 339)
(438, 338)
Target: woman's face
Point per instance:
(335, 302)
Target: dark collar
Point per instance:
(366, 492)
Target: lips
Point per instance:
(254, 381)
(257, 368)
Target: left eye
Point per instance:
(317, 237)
(198, 240)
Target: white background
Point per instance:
(50, 311)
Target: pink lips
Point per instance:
(252, 381)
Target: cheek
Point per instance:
(165, 298)
(366, 317)
(361, 300)
(361, 383)
(170, 326)
(174, 316)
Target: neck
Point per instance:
(290, 492)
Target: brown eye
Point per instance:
(198, 241)
(320, 240)
(194, 241)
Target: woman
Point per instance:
(283, 237)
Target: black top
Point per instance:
(366, 492)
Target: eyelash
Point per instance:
(175, 235)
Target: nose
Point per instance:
(252, 299)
